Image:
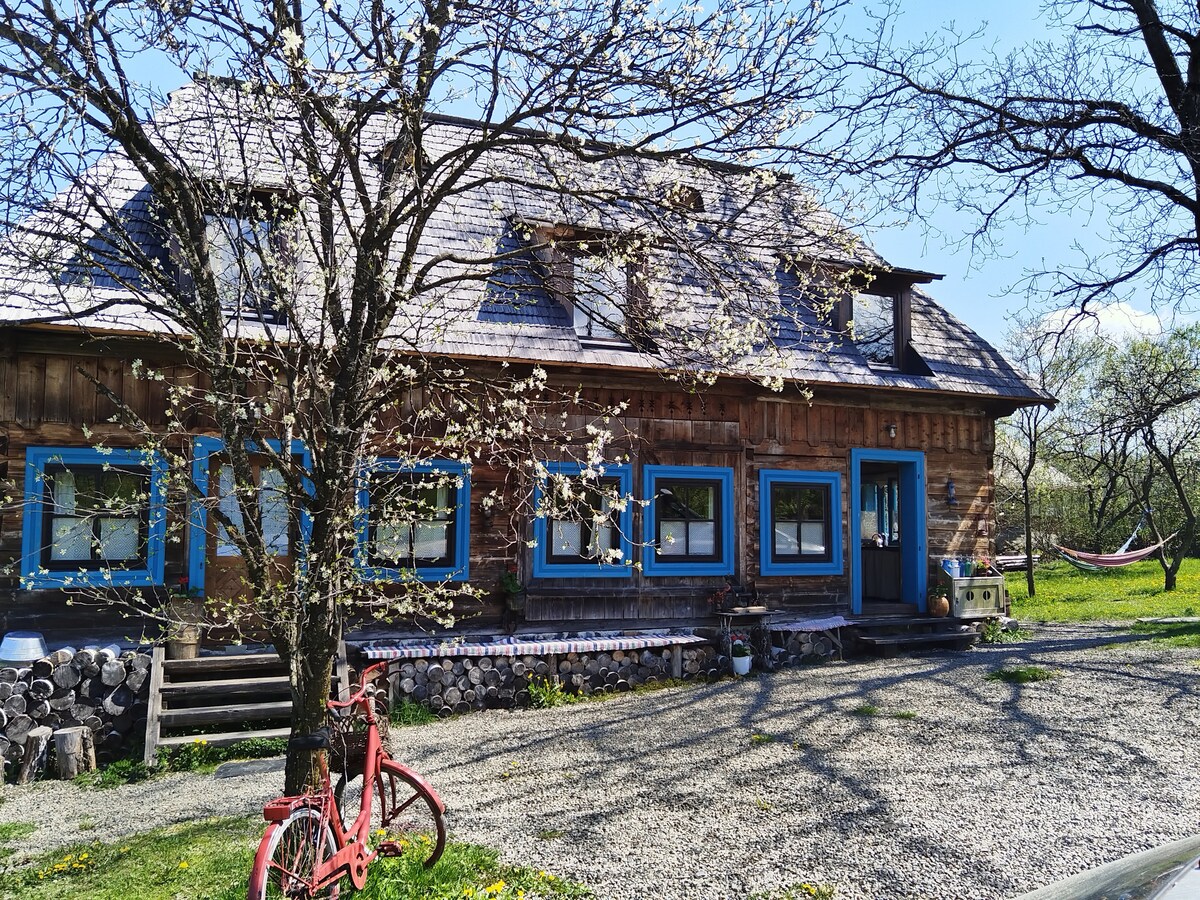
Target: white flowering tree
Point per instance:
(313, 234)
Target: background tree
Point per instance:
(284, 239)
(1151, 390)
(1056, 366)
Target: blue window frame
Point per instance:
(576, 546)
(800, 522)
(203, 449)
(688, 523)
(429, 537)
(93, 518)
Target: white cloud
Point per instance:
(1118, 322)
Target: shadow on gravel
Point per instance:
(692, 757)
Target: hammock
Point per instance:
(1097, 562)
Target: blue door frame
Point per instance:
(914, 567)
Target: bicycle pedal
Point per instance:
(391, 848)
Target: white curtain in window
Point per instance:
(273, 506)
(118, 538)
(232, 510)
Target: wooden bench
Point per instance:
(189, 696)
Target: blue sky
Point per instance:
(984, 290)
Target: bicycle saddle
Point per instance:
(318, 740)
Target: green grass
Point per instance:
(210, 860)
(906, 714)
(1175, 634)
(406, 713)
(13, 831)
(866, 709)
(803, 891)
(1065, 594)
(1021, 674)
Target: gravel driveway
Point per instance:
(988, 791)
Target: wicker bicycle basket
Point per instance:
(348, 739)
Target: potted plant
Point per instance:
(185, 618)
(938, 601)
(740, 657)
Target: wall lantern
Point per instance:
(951, 496)
(891, 430)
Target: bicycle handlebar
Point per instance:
(368, 675)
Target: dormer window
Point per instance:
(595, 276)
(249, 250)
(874, 326)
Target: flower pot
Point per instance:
(185, 644)
(939, 606)
(741, 664)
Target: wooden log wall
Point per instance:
(46, 400)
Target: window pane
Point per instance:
(430, 540)
(118, 539)
(874, 326)
(812, 537)
(701, 539)
(683, 501)
(391, 542)
(786, 543)
(228, 504)
(600, 287)
(566, 538)
(673, 540)
(273, 507)
(63, 491)
(71, 538)
(603, 540)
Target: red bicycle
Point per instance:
(307, 849)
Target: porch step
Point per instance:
(216, 715)
(190, 696)
(889, 634)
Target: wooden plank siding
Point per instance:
(49, 399)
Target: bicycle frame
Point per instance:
(352, 856)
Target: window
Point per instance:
(800, 530)
(272, 510)
(587, 527)
(689, 521)
(275, 515)
(414, 521)
(93, 518)
(874, 318)
(600, 292)
(249, 252)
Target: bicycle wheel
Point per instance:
(288, 857)
(411, 815)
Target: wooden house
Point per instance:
(844, 501)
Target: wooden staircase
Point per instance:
(889, 634)
(191, 697)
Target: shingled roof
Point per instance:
(502, 315)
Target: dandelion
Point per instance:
(183, 864)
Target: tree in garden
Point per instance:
(1103, 112)
(278, 227)
(1057, 367)
(1151, 390)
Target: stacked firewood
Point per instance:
(459, 685)
(808, 647)
(92, 690)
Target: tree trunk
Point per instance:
(1029, 585)
(310, 668)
